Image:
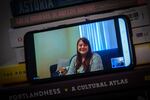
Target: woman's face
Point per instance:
(82, 47)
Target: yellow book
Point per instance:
(142, 52)
(11, 74)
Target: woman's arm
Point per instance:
(72, 68)
(96, 63)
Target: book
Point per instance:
(71, 12)
(12, 74)
(22, 7)
(100, 84)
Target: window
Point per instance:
(102, 35)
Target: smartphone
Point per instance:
(49, 49)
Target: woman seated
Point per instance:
(84, 61)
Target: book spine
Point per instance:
(70, 12)
(22, 7)
(82, 86)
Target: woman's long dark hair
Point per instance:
(86, 63)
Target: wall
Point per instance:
(56, 46)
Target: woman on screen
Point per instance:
(85, 60)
